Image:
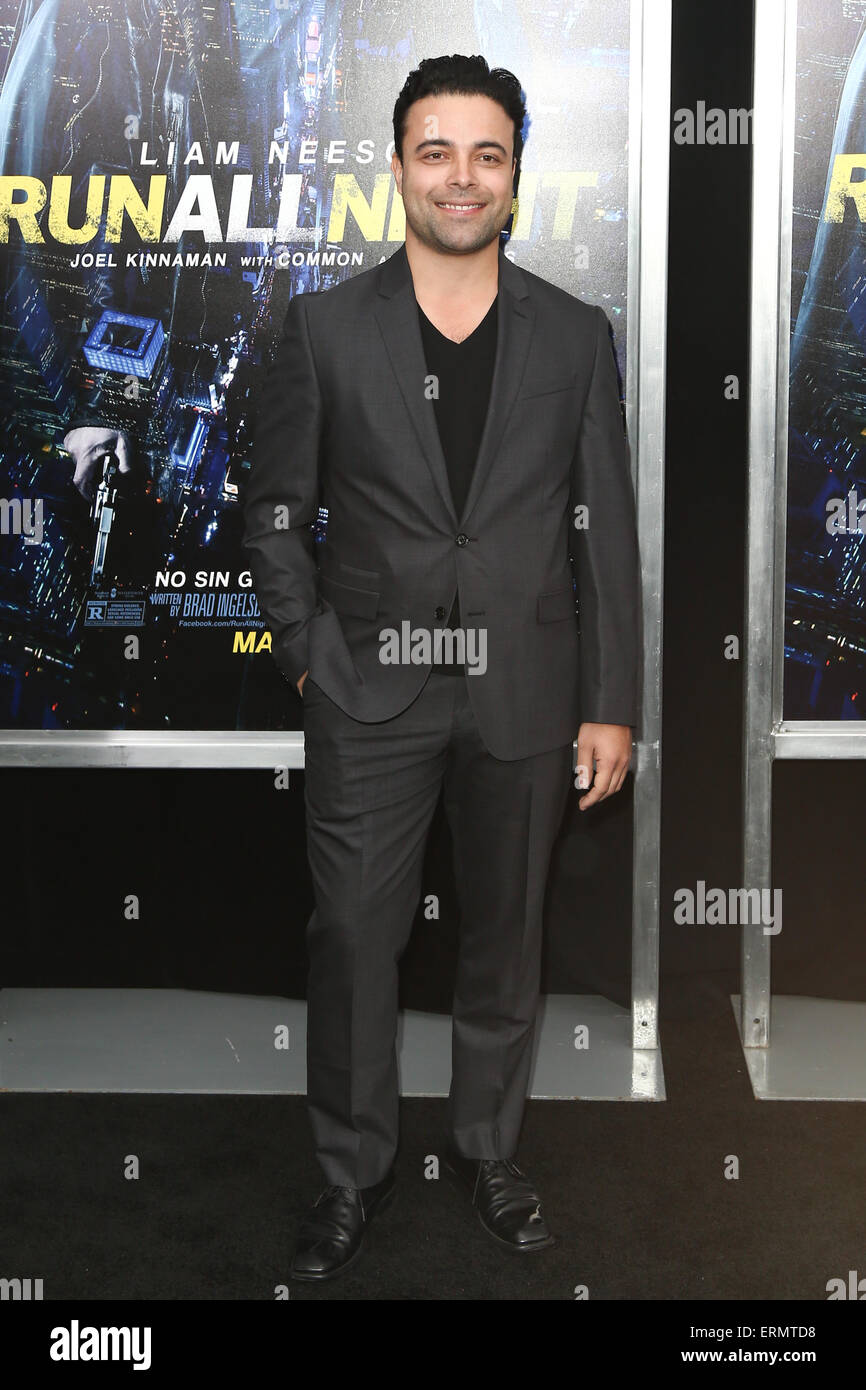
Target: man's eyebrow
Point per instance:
(477, 145)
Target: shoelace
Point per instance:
(319, 1226)
(508, 1163)
(332, 1192)
(525, 1192)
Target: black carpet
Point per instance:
(635, 1192)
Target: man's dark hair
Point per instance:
(460, 75)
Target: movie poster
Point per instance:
(171, 174)
(825, 594)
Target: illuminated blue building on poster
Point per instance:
(124, 343)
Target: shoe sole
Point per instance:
(341, 1269)
(500, 1240)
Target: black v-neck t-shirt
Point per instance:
(464, 372)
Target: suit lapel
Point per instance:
(397, 316)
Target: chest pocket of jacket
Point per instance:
(345, 598)
(543, 386)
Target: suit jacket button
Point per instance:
(440, 613)
(462, 540)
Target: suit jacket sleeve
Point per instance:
(282, 494)
(605, 551)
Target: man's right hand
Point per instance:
(86, 444)
(301, 682)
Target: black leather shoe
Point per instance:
(508, 1206)
(332, 1233)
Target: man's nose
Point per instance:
(463, 174)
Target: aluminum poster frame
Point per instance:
(766, 735)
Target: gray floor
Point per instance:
(166, 1040)
(817, 1050)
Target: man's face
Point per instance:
(456, 150)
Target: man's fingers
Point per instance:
(609, 748)
(82, 477)
(601, 786)
(609, 777)
(121, 448)
(584, 760)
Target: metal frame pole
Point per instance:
(649, 144)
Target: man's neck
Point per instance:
(442, 278)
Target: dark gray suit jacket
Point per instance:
(346, 421)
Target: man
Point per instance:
(451, 411)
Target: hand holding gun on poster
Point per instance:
(98, 452)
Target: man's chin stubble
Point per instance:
(430, 235)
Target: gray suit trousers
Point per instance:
(370, 792)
